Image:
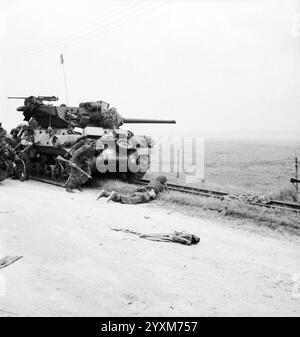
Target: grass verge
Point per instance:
(203, 206)
(287, 194)
(195, 205)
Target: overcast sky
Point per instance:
(218, 67)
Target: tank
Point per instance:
(52, 130)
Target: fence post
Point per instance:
(178, 159)
(296, 172)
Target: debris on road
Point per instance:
(179, 237)
(7, 260)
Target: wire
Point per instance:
(96, 32)
(69, 37)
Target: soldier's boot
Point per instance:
(103, 193)
(113, 196)
(70, 190)
(79, 188)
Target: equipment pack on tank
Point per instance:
(52, 130)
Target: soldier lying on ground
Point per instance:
(82, 154)
(141, 195)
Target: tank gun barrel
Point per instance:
(148, 121)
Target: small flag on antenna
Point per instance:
(61, 59)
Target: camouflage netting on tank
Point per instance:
(31, 103)
(88, 113)
(100, 114)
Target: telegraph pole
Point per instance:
(296, 172)
(178, 162)
(62, 62)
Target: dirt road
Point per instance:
(74, 264)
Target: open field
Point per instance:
(244, 166)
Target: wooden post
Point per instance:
(178, 158)
(160, 158)
(296, 172)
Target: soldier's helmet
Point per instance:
(162, 179)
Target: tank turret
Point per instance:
(97, 114)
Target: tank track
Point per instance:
(47, 181)
(55, 174)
